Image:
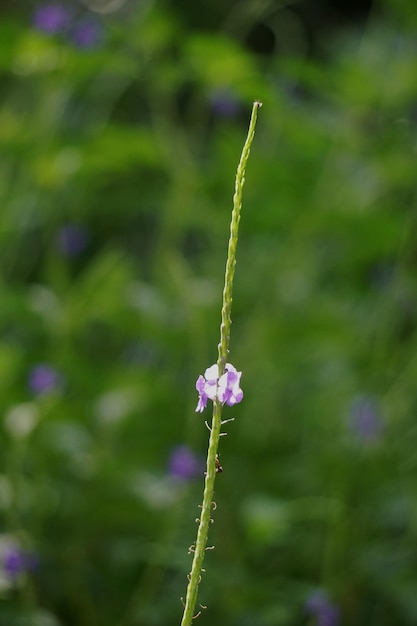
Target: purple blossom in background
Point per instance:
(17, 562)
(72, 240)
(224, 103)
(87, 34)
(184, 464)
(44, 378)
(319, 606)
(365, 419)
(51, 18)
(225, 389)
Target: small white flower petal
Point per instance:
(212, 373)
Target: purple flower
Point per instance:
(87, 33)
(184, 464)
(319, 606)
(72, 240)
(51, 18)
(43, 379)
(228, 388)
(224, 103)
(224, 389)
(365, 418)
(17, 562)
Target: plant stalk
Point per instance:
(200, 547)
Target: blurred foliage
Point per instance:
(117, 160)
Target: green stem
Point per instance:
(223, 347)
(231, 252)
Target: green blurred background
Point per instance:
(121, 126)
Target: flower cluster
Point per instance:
(226, 388)
(71, 240)
(16, 562)
(44, 378)
(51, 18)
(224, 103)
(184, 464)
(55, 18)
(365, 419)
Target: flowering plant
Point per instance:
(220, 384)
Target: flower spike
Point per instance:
(220, 384)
